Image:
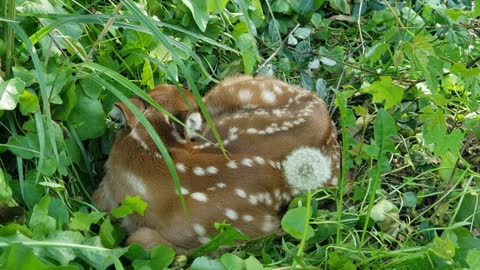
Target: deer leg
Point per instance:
(149, 238)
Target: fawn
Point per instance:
(280, 141)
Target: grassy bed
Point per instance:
(402, 80)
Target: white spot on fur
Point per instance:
(232, 164)
(277, 194)
(193, 124)
(253, 199)
(335, 181)
(136, 184)
(245, 96)
(202, 146)
(212, 170)
(259, 160)
(199, 196)
(240, 193)
(252, 131)
(180, 167)
(247, 218)
(199, 171)
(136, 137)
(247, 162)
(272, 163)
(231, 214)
(203, 239)
(277, 89)
(184, 191)
(221, 185)
(269, 97)
(269, 224)
(198, 229)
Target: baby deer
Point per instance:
(280, 140)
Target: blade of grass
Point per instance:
(61, 19)
(342, 185)
(45, 99)
(9, 37)
(149, 23)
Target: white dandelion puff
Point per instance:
(307, 168)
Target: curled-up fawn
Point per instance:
(280, 141)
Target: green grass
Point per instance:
(402, 80)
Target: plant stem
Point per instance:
(9, 38)
(306, 223)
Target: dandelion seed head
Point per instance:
(307, 168)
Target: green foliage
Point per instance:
(293, 225)
(128, 206)
(404, 77)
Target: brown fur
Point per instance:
(135, 168)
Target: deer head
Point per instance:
(280, 141)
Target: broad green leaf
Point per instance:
(476, 10)
(306, 81)
(409, 199)
(88, 117)
(473, 259)
(281, 6)
(90, 88)
(435, 134)
(83, 221)
(199, 12)
(205, 263)
(161, 257)
(293, 223)
(248, 48)
(30, 187)
(20, 257)
(227, 236)
(385, 91)
(376, 52)
(28, 102)
(14, 228)
(341, 261)
(232, 262)
(469, 209)
(58, 211)
(10, 92)
(412, 17)
(107, 234)
(5, 190)
(443, 248)
(49, 166)
(447, 166)
(69, 100)
(147, 75)
(100, 258)
(466, 73)
(28, 76)
(305, 6)
(128, 206)
(216, 6)
(381, 209)
(251, 263)
(63, 255)
(340, 5)
(40, 222)
(385, 130)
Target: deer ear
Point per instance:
(193, 121)
(123, 116)
(193, 125)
